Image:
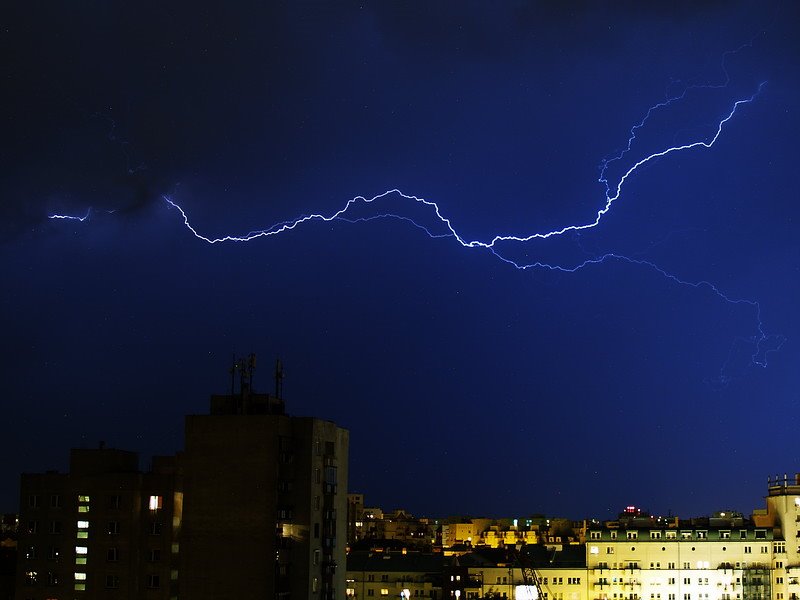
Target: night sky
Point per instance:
(468, 386)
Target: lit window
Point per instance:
(82, 535)
(384, 592)
(79, 587)
(83, 509)
(80, 576)
(594, 550)
(83, 524)
(80, 560)
(81, 550)
(155, 502)
(83, 499)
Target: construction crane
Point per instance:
(530, 578)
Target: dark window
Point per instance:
(55, 526)
(113, 527)
(112, 554)
(55, 501)
(115, 501)
(155, 555)
(155, 528)
(112, 581)
(153, 581)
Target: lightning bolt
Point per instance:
(762, 343)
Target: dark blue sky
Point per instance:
(468, 386)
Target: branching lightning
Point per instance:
(499, 245)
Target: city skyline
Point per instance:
(629, 338)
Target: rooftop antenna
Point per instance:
(278, 379)
(251, 366)
(232, 371)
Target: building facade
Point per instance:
(265, 512)
(103, 530)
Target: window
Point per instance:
(316, 530)
(80, 576)
(671, 535)
(594, 535)
(81, 550)
(52, 578)
(155, 555)
(153, 582)
(112, 582)
(671, 581)
(53, 552)
(31, 553)
(33, 501)
(609, 549)
(55, 527)
(748, 549)
(112, 554)
(115, 502)
(761, 534)
(725, 535)
(155, 528)
(384, 577)
(31, 577)
(670, 565)
(702, 535)
(155, 502)
(632, 535)
(370, 592)
(384, 592)
(83, 524)
(655, 535)
(55, 501)
(113, 528)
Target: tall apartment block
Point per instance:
(103, 530)
(255, 507)
(265, 511)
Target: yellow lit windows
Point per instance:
(155, 502)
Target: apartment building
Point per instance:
(104, 529)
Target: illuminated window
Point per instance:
(384, 592)
(83, 524)
(80, 587)
(80, 560)
(80, 576)
(81, 550)
(82, 535)
(31, 577)
(52, 578)
(83, 499)
(83, 509)
(155, 502)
